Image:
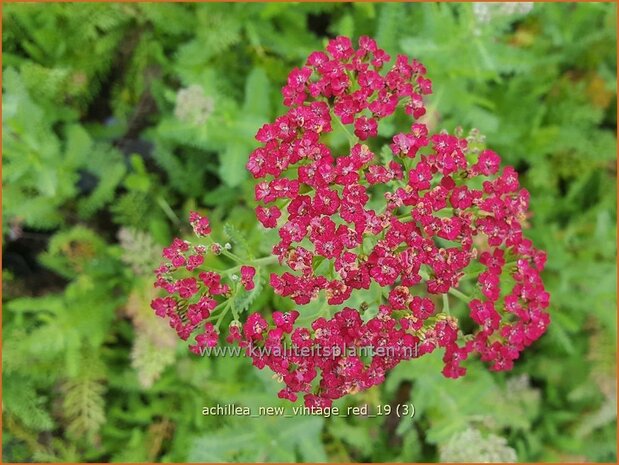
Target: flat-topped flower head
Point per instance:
(423, 215)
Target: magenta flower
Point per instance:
(247, 277)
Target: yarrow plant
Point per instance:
(438, 211)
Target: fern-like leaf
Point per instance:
(20, 399)
(243, 299)
(139, 250)
(150, 359)
(240, 246)
(83, 407)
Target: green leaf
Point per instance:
(232, 163)
(243, 299)
(84, 407)
(264, 439)
(240, 246)
(19, 398)
(257, 94)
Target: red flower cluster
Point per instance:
(430, 219)
(447, 207)
(190, 301)
(335, 347)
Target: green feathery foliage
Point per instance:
(43, 174)
(118, 119)
(83, 401)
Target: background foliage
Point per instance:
(119, 118)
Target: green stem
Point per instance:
(165, 206)
(352, 140)
(232, 256)
(212, 317)
(460, 295)
(446, 304)
(223, 313)
(225, 252)
(235, 312)
(269, 260)
(405, 218)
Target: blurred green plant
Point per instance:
(119, 118)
